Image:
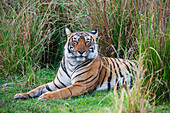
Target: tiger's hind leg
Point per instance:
(37, 91)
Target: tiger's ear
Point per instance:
(68, 32)
(94, 33)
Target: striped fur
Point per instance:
(82, 70)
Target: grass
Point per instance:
(88, 102)
(102, 101)
(28, 37)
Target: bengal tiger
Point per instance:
(82, 69)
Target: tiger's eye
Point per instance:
(75, 42)
(88, 41)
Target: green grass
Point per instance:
(82, 103)
(88, 102)
(101, 101)
(29, 32)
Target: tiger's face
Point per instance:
(81, 46)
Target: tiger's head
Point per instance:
(81, 46)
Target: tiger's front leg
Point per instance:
(37, 91)
(70, 91)
(83, 81)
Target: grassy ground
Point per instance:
(94, 101)
(83, 103)
(102, 101)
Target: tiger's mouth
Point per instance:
(82, 57)
(79, 59)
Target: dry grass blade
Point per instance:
(122, 100)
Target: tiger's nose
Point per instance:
(81, 51)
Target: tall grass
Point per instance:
(140, 98)
(32, 35)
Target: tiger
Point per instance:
(83, 69)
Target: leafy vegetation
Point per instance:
(32, 40)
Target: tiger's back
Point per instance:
(104, 73)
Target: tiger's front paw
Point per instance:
(21, 96)
(45, 97)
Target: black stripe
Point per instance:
(91, 85)
(101, 71)
(97, 80)
(114, 67)
(70, 91)
(130, 64)
(84, 64)
(61, 82)
(103, 77)
(110, 77)
(119, 70)
(56, 85)
(81, 73)
(70, 69)
(102, 66)
(68, 48)
(61, 64)
(116, 79)
(29, 96)
(118, 60)
(127, 67)
(115, 73)
(84, 80)
(94, 89)
(71, 64)
(47, 87)
(92, 79)
(63, 68)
